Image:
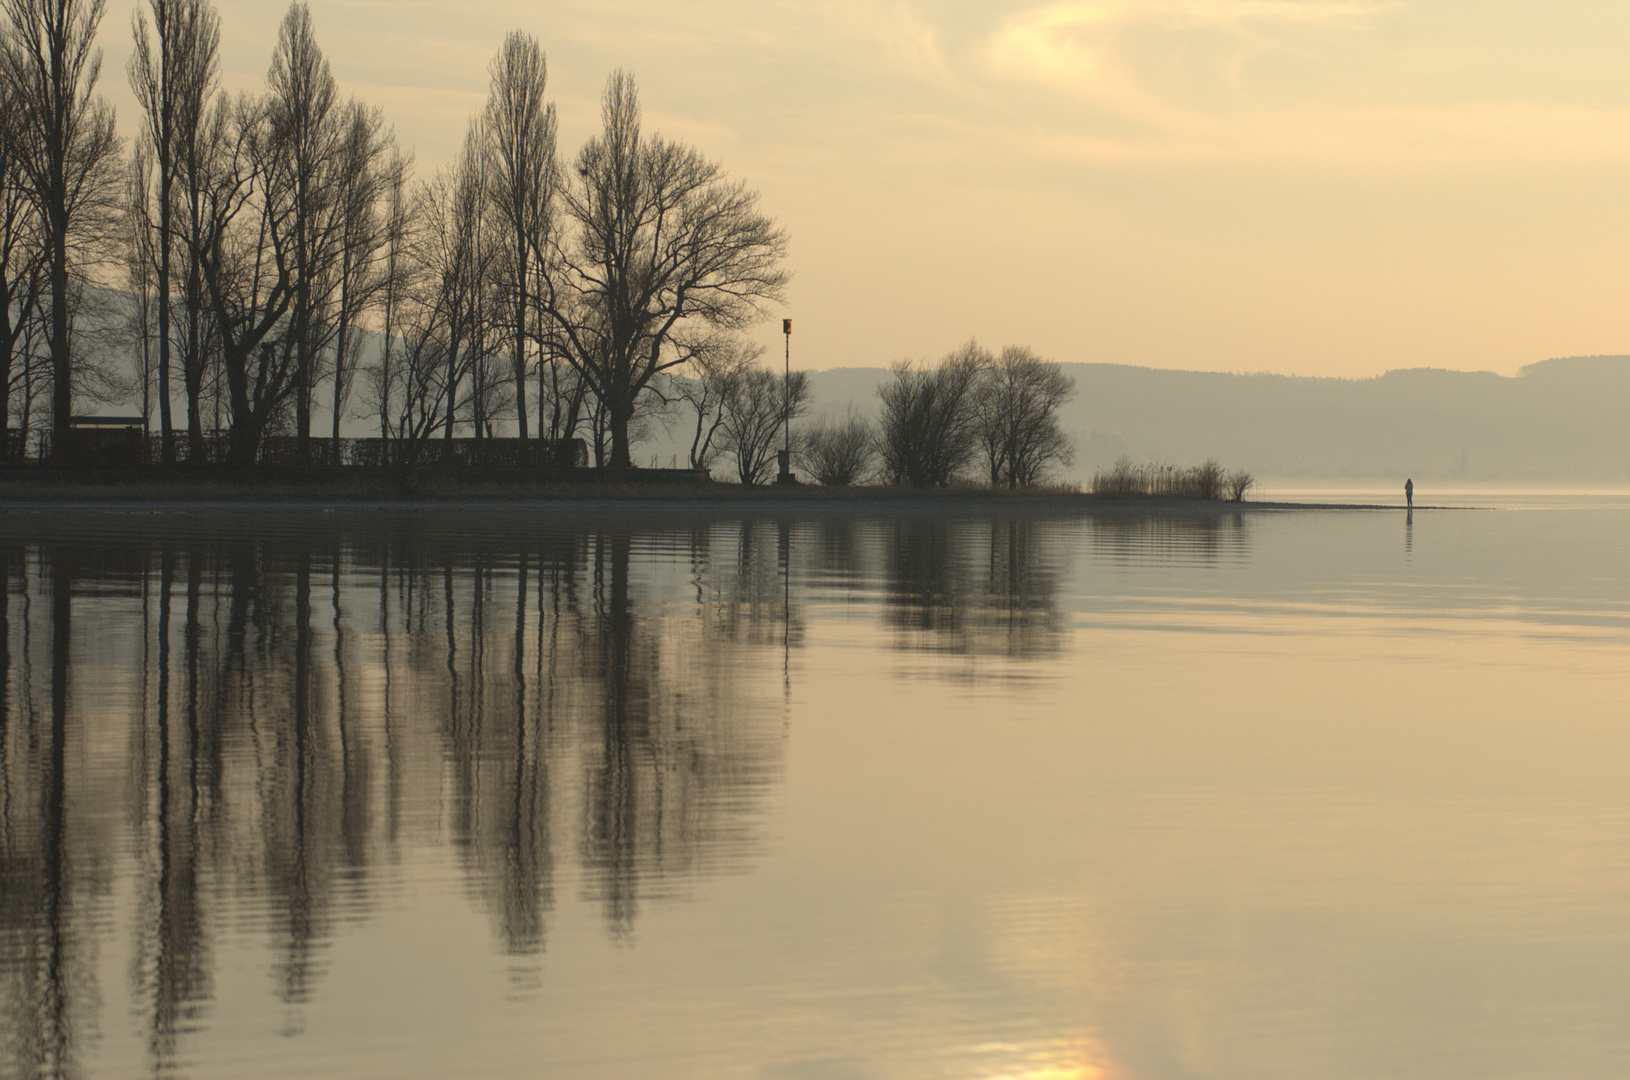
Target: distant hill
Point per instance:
(1565, 419)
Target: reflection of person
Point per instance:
(1409, 493)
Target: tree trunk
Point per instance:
(302, 396)
(452, 384)
(574, 412)
(243, 433)
(549, 398)
(62, 390)
(166, 421)
(520, 334)
(9, 332)
(619, 414)
(5, 383)
(243, 441)
(339, 375)
(193, 361)
(302, 330)
(195, 413)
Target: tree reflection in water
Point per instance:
(1158, 539)
(981, 588)
(259, 713)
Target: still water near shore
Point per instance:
(816, 797)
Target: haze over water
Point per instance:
(814, 796)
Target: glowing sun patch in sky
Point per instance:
(1071, 43)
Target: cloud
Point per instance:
(1358, 142)
(1171, 81)
(1053, 22)
(1079, 44)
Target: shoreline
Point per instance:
(647, 502)
(418, 490)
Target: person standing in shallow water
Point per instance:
(1409, 493)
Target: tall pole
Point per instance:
(786, 389)
(786, 406)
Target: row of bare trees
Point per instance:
(283, 260)
(994, 415)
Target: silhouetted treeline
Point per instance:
(976, 415)
(281, 260)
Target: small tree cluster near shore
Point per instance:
(1127, 479)
(754, 412)
(260, 236)
(975, 409)
(838, 454)
(737, 410)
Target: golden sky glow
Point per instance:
(1320, 187)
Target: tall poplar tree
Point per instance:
(304, 124)
(520, 131)
(68, 154)
(174, 77)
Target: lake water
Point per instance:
(641, 793)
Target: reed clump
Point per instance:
(1128, 479)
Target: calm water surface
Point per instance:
(628, 794)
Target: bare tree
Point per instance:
(717, 366)
(429, 317)
(464, 258)
(1016, 408)
(173, 88)
(652, 409)
(302, 114)
(244, 250)
(195, 99)
(446, 304)
(141, 270)
(490, 397)
(758, 404)
(520, 129)
(839, 454)
(68, 154)
(31, 383)
(562, 396)
(22, 265)
(366, 165)
(662, 243)
(384, 377)
(927, 428)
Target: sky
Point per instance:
(1308, 187)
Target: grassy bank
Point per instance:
(1127, 479)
